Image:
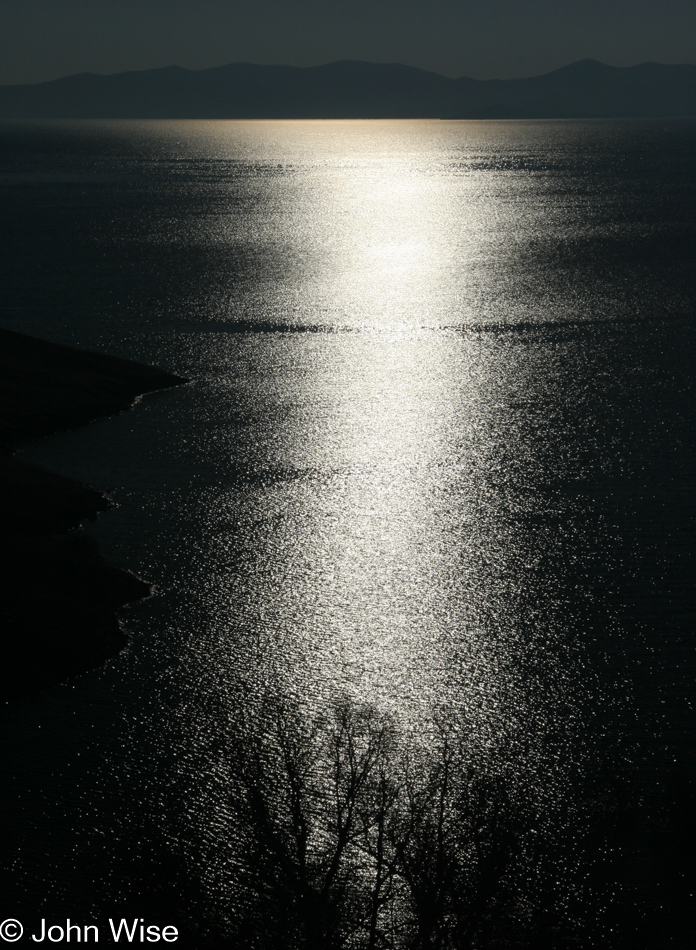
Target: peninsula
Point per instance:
(58, 596)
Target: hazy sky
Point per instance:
(43, 39)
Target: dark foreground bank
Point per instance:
(58, 596)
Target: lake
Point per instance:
(436, 459)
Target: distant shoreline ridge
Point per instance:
(353, 89)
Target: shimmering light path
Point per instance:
(439, 411)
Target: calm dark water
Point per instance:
(437, 455)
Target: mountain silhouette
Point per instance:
(586, 89)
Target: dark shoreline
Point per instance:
(58, 596)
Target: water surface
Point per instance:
(437, 454)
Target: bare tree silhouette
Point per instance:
(454, 844)
(357, 841)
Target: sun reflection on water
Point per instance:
(371, 488)
(385, 560)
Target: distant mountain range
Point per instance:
(357, 90)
